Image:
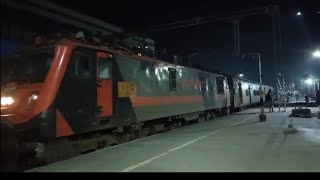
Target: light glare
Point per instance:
(309, 81)
(316, 53)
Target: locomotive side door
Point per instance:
(104, 86)
(76, 97)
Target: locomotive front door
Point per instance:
(104, 85)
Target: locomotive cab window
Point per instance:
(27, 66)
(83, 65)
(104, 69)
(172, 79)
(220, 87)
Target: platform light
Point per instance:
(299, 13)
(316, 54)
(309, 81)
(240, 75)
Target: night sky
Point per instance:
(214, 41)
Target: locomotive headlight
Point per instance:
(6, 101)
(10, 100)
(3, 101)
(34, 97)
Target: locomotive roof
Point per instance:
(123, 51)
(105, 47)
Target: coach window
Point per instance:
(247, 92)
(256, 92)
(172, 79)
(220, 87)
(104, 69)
(83, 65)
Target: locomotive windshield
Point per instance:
(26, 67)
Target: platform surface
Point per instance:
(234, 143)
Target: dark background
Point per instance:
(214, 41)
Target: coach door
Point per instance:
(240, 93)
(206, 90)
(104, 85)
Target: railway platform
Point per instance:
(234, 143)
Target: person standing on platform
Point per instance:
(269, 101)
